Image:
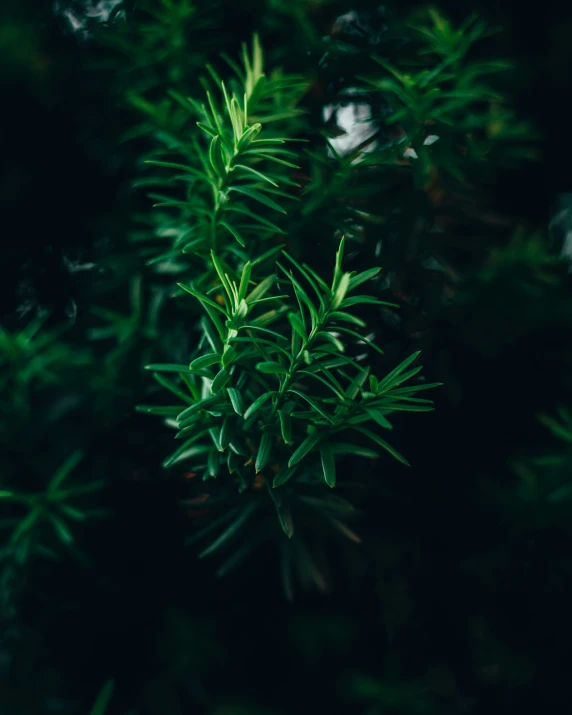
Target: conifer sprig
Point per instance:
(232, 180)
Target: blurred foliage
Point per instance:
(544, 488)
(32, 361)
(54, 507)
(419, 150)
(402, 697)
(252, 404)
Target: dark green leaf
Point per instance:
(360, 278)
(327, 379)
(255, 217)
(261, 289)
(187, 444)
(397, 407)
(229, 356)
(256, 173)
(307, 445)
(236, 400)
(167, 367)
(379, 417)
(234, 232)
(354, 449)
(216, 159)
(103, 699)
(285, 426)
(264, 452)
(416, 388)
(272, 157)
(560, 494)
(221, 380)
(298, 325)
(335, 341)
(348, 318)
(215, 436)
(258, 196)
(361, 338)
(66, 468)
(261, 321)
(282, 507)
(356, 384)
(203, 298)
(212, 333)
(272, 368)
(163, 411)
(248, 136)
(283, 475)
(257, 404)
(388, 380)
(366, 300)
(61, 529)
(181, 167)
(205, 361)
(328, 464)
(244, 281)
(232, 529)
(197, 407)
(312, 404)
(213, 463)
(339, 293)
(382, 443)
(285, 519)
(222, 276)
(206, 128)
(225, 434)
(169, 385)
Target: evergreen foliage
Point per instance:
(289, 203)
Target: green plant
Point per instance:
(523, 282)
(283, 422)
(52, 509)
(32, 360)
(432, 131)
(449, 123)
(544, 479)
(103, 699)
(152, 41)
(229, 179)
(277, 389)
(383, 696)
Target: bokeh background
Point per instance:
(458, 599)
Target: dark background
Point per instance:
(445, 584)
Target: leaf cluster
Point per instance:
(410, 189)
(277, 392)
(32, 360)
(52, 510)
(448, 118)
(544, 478)
(231, 178)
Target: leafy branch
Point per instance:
(276, 391)
(277, 396)
(233, 177)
